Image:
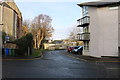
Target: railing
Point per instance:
(83, 21)
(84, 37)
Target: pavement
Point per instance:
(92, 59)
(58, 64)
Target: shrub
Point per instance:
(24, 43)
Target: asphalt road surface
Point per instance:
(56, 64)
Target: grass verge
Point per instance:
(36, 53)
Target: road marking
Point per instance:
(25, 59)
(107, 61)
(74, 57)
(17, 59)
(88, 60)
(113, 68)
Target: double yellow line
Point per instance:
(88, 60)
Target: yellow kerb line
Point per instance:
(24, 59)
(17, 59)
(89, 60)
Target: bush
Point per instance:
(36, 53)
(24, 43)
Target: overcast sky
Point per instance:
(63, 13)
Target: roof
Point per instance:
(100, 3)
(13, 6)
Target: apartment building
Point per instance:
(101, 28)
(10, 19)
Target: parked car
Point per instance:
(78, 49)
(69, 49)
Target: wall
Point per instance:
(103, 32)
(15, 25)
(12, 20)
(119, 27)
(108, 31)
(49, 46)
(0, 13)
(93, 32)
(8, 21)
(0, 46)
(119, 31)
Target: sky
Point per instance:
(64, 14)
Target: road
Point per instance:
(56, 64)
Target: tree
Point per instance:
(73, 33)
(41, 29)
(25, 27)
(24, 30)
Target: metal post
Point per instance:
(1, 25)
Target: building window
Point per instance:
(85, 11)
(86, 45)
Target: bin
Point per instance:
(3, 51)
(16, 52)
(12, 52)
(6, 51)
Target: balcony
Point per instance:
(83, 22)
(84, 37)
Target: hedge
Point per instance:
(24, 43)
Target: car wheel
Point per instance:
(75, 52)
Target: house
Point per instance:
(10, 19)
(101, 28)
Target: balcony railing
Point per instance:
(84, 36)
(83, 22)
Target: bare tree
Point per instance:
(25, 27)
(73, 33)
(41, 29)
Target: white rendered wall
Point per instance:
(119, 30)
(103, 32)
(119, 27)
(108, 22)
(93, 32)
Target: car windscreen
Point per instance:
(80, 47)
(76, 47)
